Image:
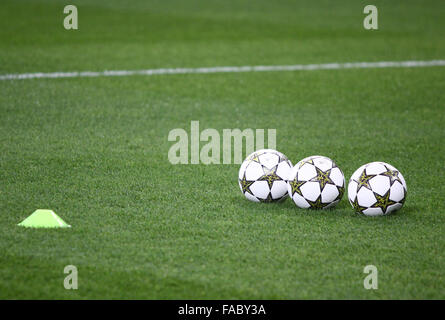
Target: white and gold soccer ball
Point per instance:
(376, 188)
(316, 182)
(263, 176)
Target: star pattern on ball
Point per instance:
(341, 192)
(270, 175)
(317, 204)
(254, 158)
(357, 206)
(310, 161)
(322, 178)
(268, 198)
(404, 196)
(383, 202)
(245, 184)
(295, 186)
(282, 198)
(393, 175)
(282, 158)
(363, 181)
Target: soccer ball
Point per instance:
(316, 182)
(263, 176)
(376, 188)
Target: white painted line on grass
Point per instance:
(296, 67)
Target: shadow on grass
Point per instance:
(342, 210)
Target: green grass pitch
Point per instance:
(94, 150)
